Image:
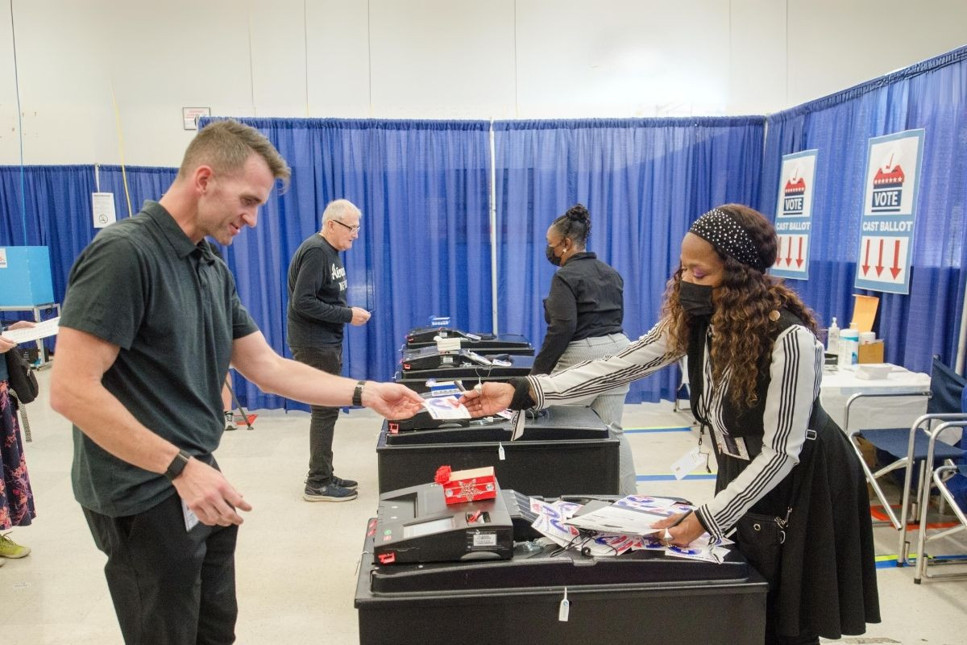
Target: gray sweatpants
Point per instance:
(610, 405)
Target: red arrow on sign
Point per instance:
(895, 269)
(879, 264)
(799, 259)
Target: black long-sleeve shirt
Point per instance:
(586, 300)
(317, 311)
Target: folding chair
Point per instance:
(908, 447)
(940, 477)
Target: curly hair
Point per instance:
(575, 225)
(744, 306)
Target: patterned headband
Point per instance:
(728, 236)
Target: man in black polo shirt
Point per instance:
(149, 326)
(316, 315)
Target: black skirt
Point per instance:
(827, 578)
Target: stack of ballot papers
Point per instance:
(608, 529)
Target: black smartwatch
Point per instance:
(358, 394)
(177, 465)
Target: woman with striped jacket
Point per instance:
(755, 367)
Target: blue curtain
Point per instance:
(143, 182)
(423, 248)
(58, 213)
(644, 182)
(931, 95)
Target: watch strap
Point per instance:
(177, 465)
(358, 393)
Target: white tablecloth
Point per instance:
(840, 383)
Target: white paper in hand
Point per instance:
(446, 407)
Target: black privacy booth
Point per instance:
(563, 449)
(474, 573)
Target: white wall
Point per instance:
(503, 59)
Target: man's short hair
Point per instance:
(227, 145)
(337, 208)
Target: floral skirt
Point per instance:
(16, 498)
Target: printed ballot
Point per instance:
(446, 407)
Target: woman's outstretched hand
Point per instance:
(487, 398)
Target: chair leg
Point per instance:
(908, 509)
(876, 486)
(239, 406)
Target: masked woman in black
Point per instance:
(755, 368)
(584, 310)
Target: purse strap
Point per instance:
(816, 420)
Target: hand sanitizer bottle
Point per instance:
(832, 339)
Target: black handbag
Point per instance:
(760, 538)
(21, 376)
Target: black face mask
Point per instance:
(696, 299)
(553, 259)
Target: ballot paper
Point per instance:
(446, 407)
(557, 521)
(630, 515)
(38, 331)
(550, 520)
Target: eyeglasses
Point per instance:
(353, 229)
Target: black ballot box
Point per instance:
(638, 597)
(482, 342)
(562, 450)
(462, 366)
(421, 383)
(423, 360)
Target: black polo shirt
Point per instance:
(172, 308)
(586, 300)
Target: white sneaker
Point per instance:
(230, 422)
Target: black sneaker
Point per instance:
(328, 493)
(345, 483)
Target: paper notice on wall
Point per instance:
(103, 208)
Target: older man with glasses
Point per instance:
(316, 316)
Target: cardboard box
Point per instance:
(870, 352)
(470, 485)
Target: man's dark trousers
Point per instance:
(322, 426)
(169, 585)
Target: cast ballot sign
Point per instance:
(889, 212)
(794, 213)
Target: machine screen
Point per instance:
(426, 528)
